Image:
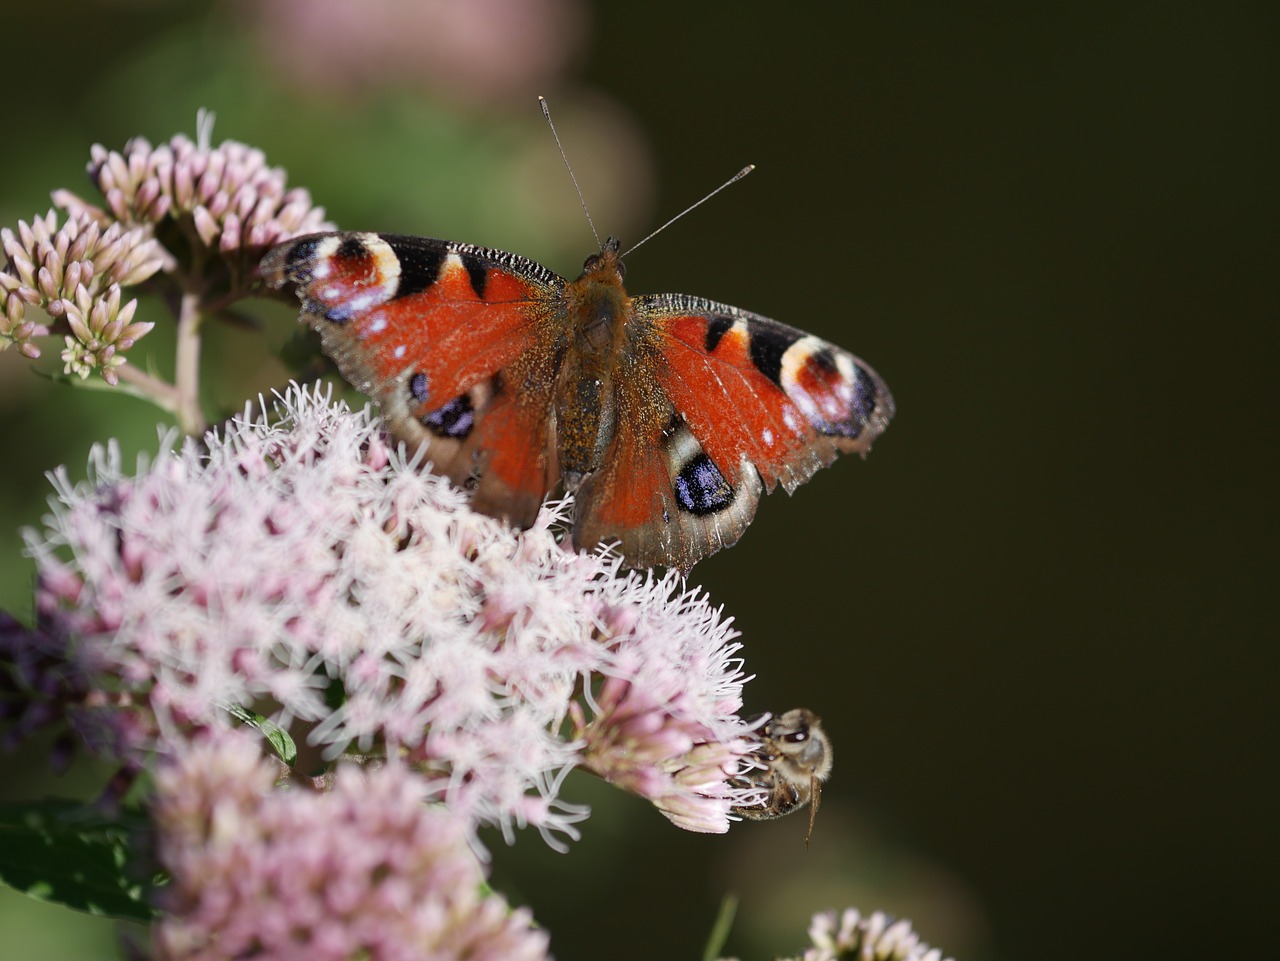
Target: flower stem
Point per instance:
(161, 393)
(187, 376)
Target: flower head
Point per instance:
(234, 201)
(365, 870)
(75, 272)
(297, 567)
(850, 936)
(646, 744)
(101, 330)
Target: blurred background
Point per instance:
(1033, 621)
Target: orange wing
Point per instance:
(748, 403)
(439, 333)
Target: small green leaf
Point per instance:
(276, 736)
(61, 851)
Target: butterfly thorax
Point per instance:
(598, 310)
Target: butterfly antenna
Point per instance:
(732, 180)
(546, 112)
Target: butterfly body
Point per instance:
(667, 415)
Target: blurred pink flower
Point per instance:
(366, 870)
(294, 556)
(850, 936)
(481, 50)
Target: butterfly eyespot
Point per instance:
(701, 489)
(300, 263)
(455, 419)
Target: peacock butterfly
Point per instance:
(666, 414)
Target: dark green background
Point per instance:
(1034, 619)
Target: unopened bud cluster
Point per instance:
(217, 208)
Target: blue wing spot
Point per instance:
(418, 387)
(455, 419)
(338, 315)
(701, 489)
(297, 264)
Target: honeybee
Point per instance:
(796, 756)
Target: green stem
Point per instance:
(160, 392)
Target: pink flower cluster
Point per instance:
(233, 198)
(295, 555)
(222, 200)
(366, 870)
(75, 273)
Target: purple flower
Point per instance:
(365, 870)
(293, 556)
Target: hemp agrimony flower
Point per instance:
(233, 199)
(75, 272)
(295, 567)
(187, 220)
(364, 870)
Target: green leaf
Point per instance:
(276, 736)
(61, 851)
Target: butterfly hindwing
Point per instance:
(660, 496)
(430, 328)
